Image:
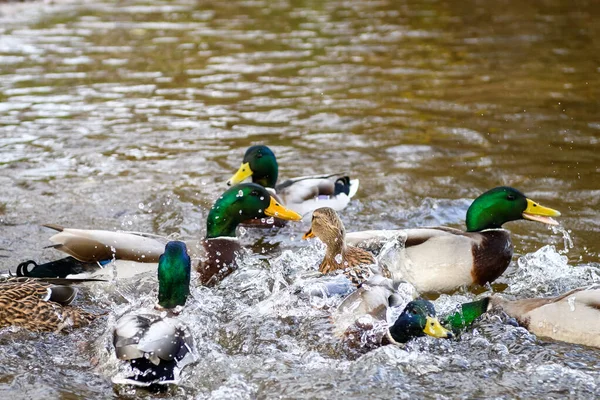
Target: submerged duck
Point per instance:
(442, 259)
(572, 317)
(366, 310)
(159, 348)
(303, 194)
(356, 263)
(40, 306)
(237, 204)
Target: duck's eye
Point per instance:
(254, 193)
(259, 155)
(510, 197)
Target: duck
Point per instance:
(218, 249)
(40, 306)
(366, 310)
(158, 348)
(443, 259)
(357, 264)
(572, 317)
(303, 194)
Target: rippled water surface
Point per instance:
(133, 114)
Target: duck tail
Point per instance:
(467, 314)
(53, 269)
(54, 226)
(148, 374)
(346, 185)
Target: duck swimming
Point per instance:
(442, 259)
(303, 194)
(366, 310)
(572, 317)
(218, 249)
(159, 348)
(358, 264)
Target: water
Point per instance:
(133, 116)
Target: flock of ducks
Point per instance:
(434, 260)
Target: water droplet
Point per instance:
(262, 197)
(240, 193)
(339, 259)
(571, 301)
(271, 220)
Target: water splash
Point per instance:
(566, 236)
(547, 272)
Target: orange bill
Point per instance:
(308, 234)
(278, 211)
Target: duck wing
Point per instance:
(89, 245)
(372, 298)
(438, 259)
(158, 349)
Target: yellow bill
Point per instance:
(535, 212)
(435, 329)
(242, 173)
(278, 211)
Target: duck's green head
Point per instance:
(241, 203)
(417, 319)
(259, 163)
(174, 268)
(504, 204)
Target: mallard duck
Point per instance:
(303, 194)
(572, 317)
(442, 259)
(357, 264)
(366, 310)
(237, 204)
(159, 348)
(40, 306)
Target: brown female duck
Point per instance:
(357, 264)
(39, 306)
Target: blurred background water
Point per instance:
(133, 114)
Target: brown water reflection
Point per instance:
(134, 114)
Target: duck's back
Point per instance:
(307, 193)
(33, 305)
(573, 317)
